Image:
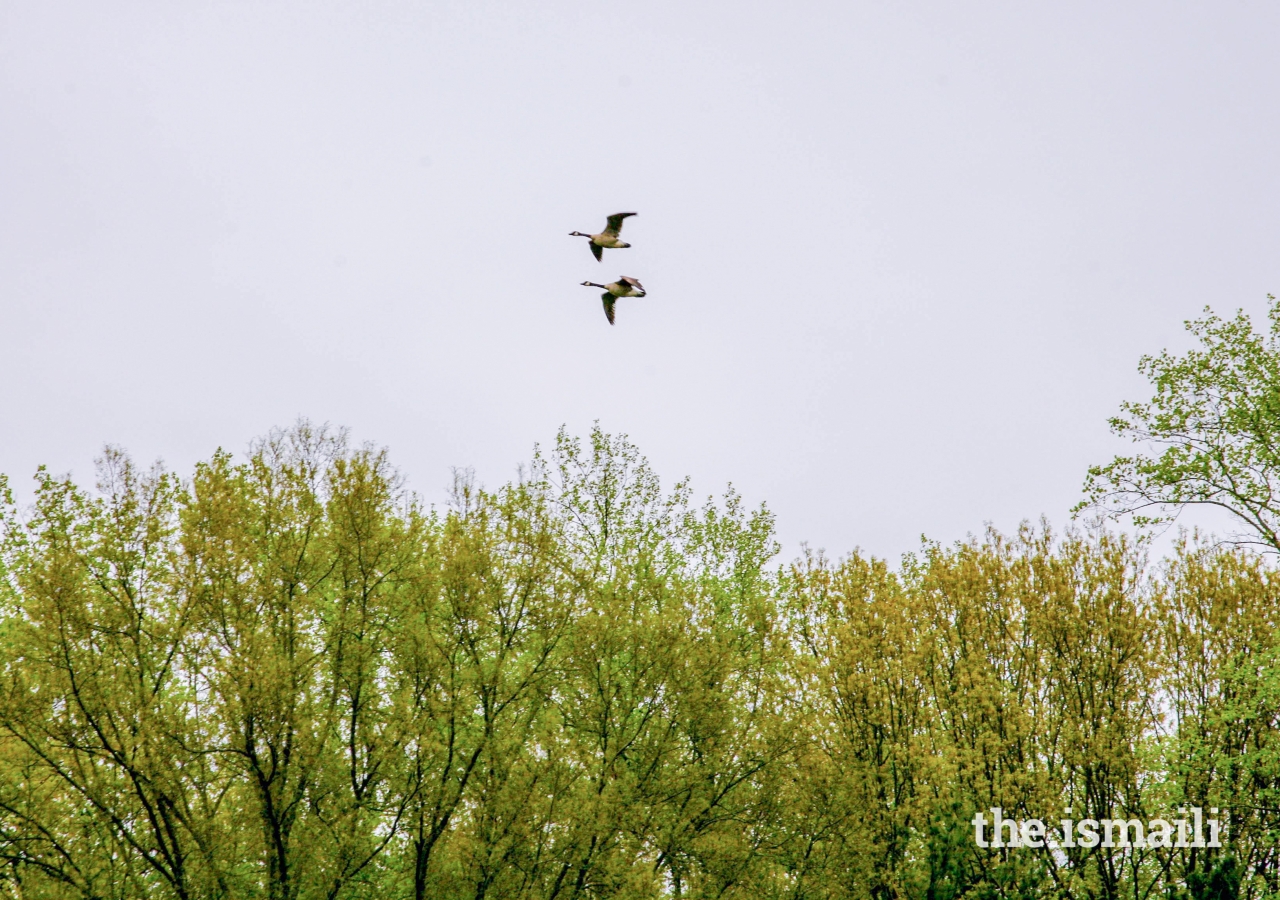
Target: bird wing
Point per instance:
(615, 223)
(596, 250)
(608, 305)
(627, 279)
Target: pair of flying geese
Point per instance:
(625, 286)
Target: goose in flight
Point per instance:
(606, 238)
(625, 286)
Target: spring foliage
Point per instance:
(285, 679)
(1210, 432)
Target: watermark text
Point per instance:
(1188, 831)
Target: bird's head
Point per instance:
(578, 234)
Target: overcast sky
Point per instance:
(902, 259)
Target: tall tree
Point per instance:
(1214, 428)
(94, 703)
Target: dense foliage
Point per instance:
(283, 678)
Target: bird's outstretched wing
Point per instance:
(596, 250)
(608, 305)
(615, 223)
(627, 279)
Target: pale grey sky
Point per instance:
(901, 258)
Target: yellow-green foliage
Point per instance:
(285, 679)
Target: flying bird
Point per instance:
(625, 286)
(606, 238)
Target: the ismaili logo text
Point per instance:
(1188, 831)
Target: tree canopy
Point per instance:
(283, 677)
(1212, 429)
